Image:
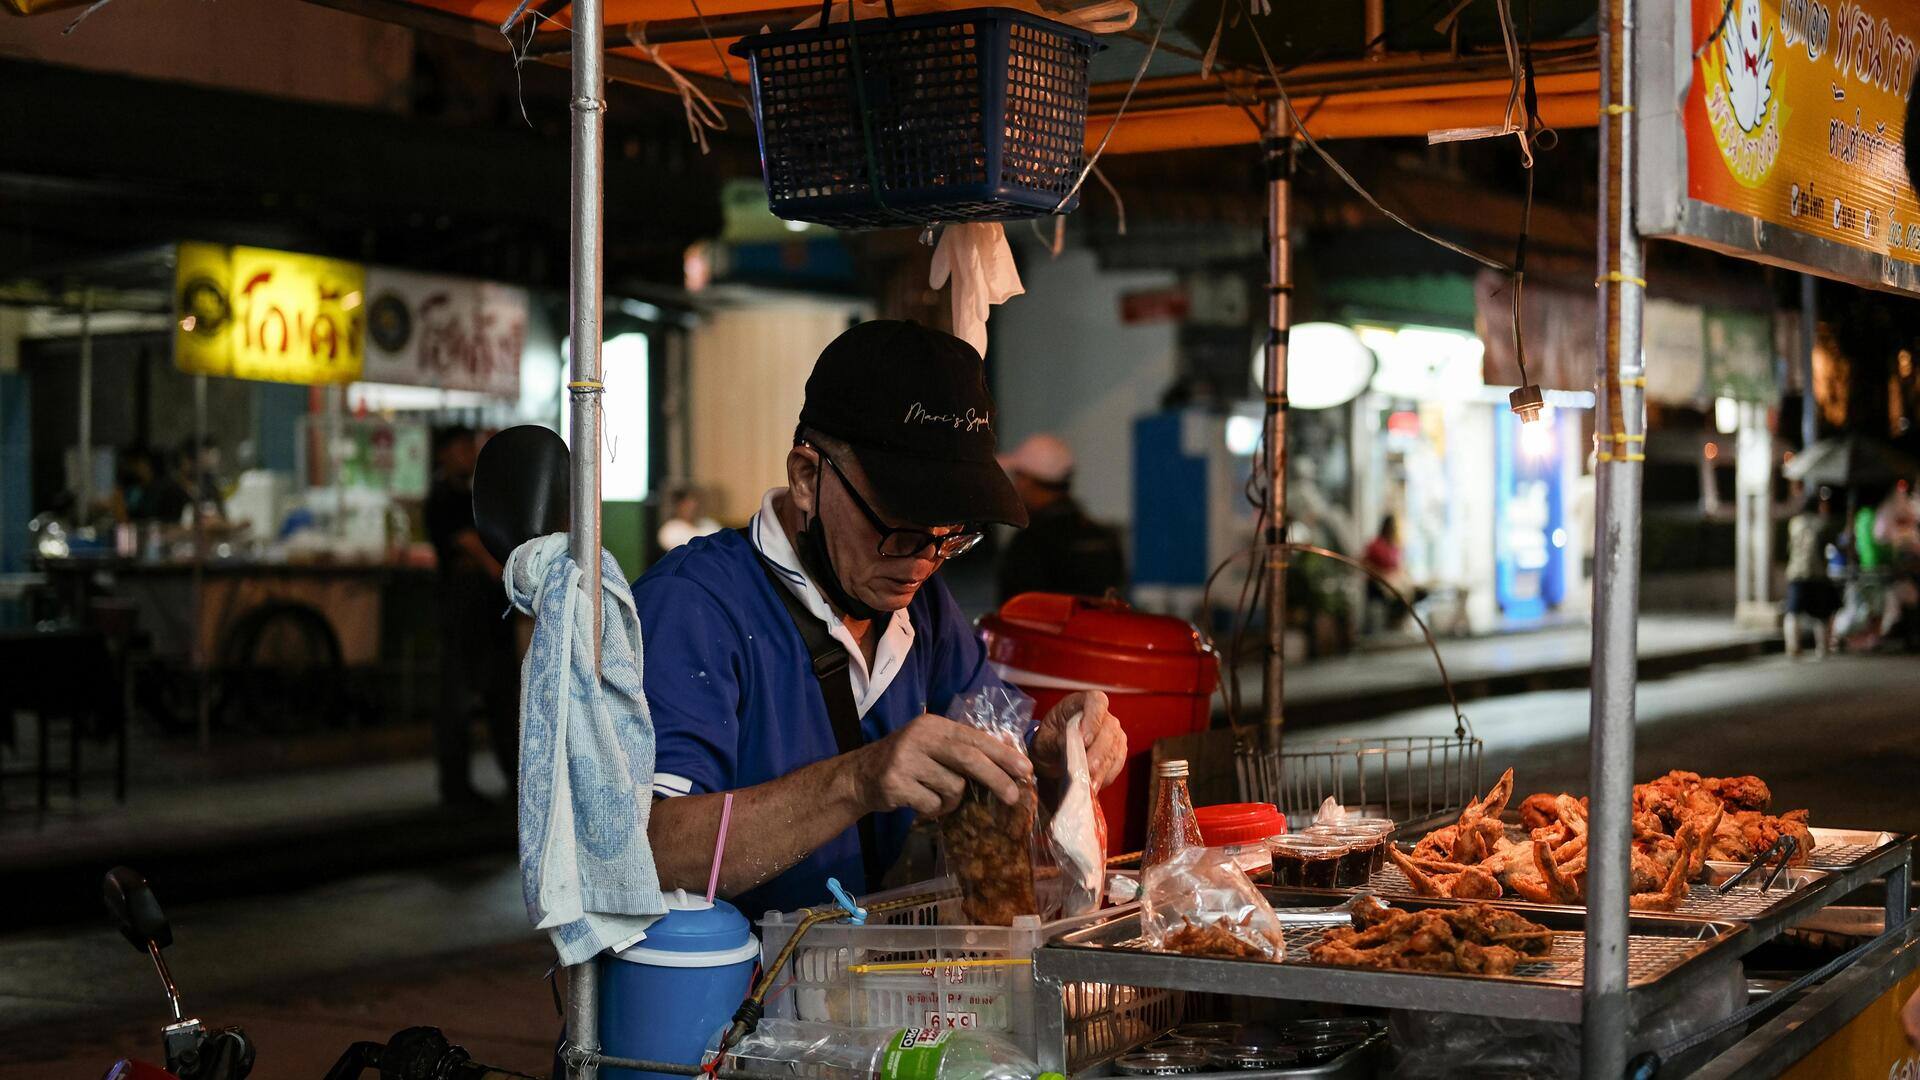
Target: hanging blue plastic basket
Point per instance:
(974, 115)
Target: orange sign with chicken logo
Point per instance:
(1791, 113)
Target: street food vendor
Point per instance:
(891, 473)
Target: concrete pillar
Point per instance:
(1753, 528)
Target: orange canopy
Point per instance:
(1397, 94)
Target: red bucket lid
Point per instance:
(1101, 643)
(1239, 823)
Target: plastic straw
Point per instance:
(720, 845)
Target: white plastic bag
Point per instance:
(1078, 832)
(1201, 903)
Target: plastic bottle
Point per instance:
(1173, 826)
(832, 1052)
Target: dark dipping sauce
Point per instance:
(1307, 862)
(1366, 841)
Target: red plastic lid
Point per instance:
(1100, 644)
(1239, 823)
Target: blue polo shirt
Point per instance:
(735, 702)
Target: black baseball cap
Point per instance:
(912, 403)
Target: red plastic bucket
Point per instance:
(1154, 668)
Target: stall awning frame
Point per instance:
(1175, 107)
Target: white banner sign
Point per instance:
(451, 333)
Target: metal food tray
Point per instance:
(1359, 1063)
(1846, 849)
(1799, 892)
(1664, 956)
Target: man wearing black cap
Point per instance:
(892, 472)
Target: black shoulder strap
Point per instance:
(830, 666)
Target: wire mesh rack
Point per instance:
(1704, 900)
(1409, 778)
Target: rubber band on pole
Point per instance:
(1604, 456)
(1618, 110)
(1618, 439)
(1615, 277)
(587, 386)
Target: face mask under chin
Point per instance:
(814, 551)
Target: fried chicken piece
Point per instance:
(1230, 941)
(1465, 883)
(1669, 896)
(1437, 845)
(1538, 812)
(1476, 834)
(1475, 939)
(1741, 792)
(1760, 831)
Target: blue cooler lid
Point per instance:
(695, 933)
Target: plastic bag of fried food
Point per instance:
(1477, 939)
(992, 847)
(1200, 903)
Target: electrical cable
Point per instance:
(1359, 189)
(1719, 29)
(1159, 27)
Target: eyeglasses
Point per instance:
(905, 543)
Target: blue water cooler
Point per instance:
(665, 998)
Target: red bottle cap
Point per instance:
(1239, 823)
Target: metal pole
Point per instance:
(584, 280)
(204, 702)
(1278, 148)
(1376, 28)
(1616, 585)
(83, 513)
(1809, 325)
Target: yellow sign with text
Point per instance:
(275, 316)
(1795, 115)
(1872, 1046)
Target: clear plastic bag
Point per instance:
(1201, 903)
(1077, 835)
(994, 848)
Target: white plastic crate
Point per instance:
(1097, 1021)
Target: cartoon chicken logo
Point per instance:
(1749, 60)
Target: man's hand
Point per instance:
(1106, 741)
(1910, 1016)
(926, 766)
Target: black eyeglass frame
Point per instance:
(950, 546)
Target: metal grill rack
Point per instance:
(1665, 955)
(1745, 903)
(1844, 849)
(1409, 778)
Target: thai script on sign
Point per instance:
(1869, 50)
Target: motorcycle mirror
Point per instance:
(133, 907)
(520, 488)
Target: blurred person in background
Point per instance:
(1385, 557)
(197, 467)
(1812, 597)
(684, 519)
(1061, 550)
(137, 487)
(477, 646)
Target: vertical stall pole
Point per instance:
(83, 513)
(1621, 433)
(584, 280)
(1278, 151)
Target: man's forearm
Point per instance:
(774, 826)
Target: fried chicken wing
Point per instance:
(1475, 939)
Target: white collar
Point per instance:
(770, 540)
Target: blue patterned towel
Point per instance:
(586, 758)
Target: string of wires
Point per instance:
(1523, 96)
